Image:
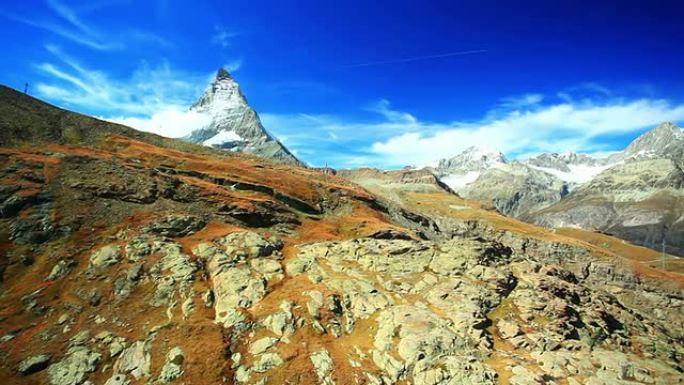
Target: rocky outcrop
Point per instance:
(74, 368)
(240, 266)
(34, 364)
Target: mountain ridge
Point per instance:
(623, 182)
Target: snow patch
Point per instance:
(223, 137)
(459, 181)
(579, 173)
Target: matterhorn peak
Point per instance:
(223, 74)
(234, 125)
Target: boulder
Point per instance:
(135, 359)
(74, 368)
(173, 367)
(34, 364)
(106, 256)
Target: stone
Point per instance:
(73, 369)
(242, 374)
(61, 269)
(173, 368)
(261, 345)
(281, 323)
(323, 364)
(80, 339)
(175, 226)
(117, 346)
(106, 256)
(236, 283)
(118, 379)
(34, 364)
(315, 304)
(266, 362)
(135, 360)
(508, 329)
(137, 249)
(63, 319)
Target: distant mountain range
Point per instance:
(636, 194)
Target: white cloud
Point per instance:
(172, 123)
(68, 23)
(383, 108)
(400, 138)
(148, 90)
(154, 99)
(222, 37)
(521, 101)
(233, 66)
(552, 128)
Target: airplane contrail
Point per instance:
(417, 58)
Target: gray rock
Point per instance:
(61, 268)
(266, 362)
(34, 364)
(173, 367)
(175, 226)
(323, 364)
(135, 359)
(73, 369)
(261, 345)
(106, 256)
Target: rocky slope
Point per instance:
(516, 189)
(640, 198)
(392, 183)
(234, 125)
(129, 261)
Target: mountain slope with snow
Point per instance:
(463, 169)
(640, 198)
(637, 194)
(234, 125)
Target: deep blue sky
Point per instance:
(561, 75)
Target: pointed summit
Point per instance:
(473, 158)
(223, 74)
(234, 125)
(659, 141)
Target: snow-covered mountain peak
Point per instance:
(466, 167)
(222, 97)
(659, 141)
(234, 125)
(473, 158)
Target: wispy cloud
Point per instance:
(68, 23)
(153, 98)
(416, 58)
(222, 36)
(171, 122)
(526, 127)
(233, 65)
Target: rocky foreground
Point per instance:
(131, 260)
